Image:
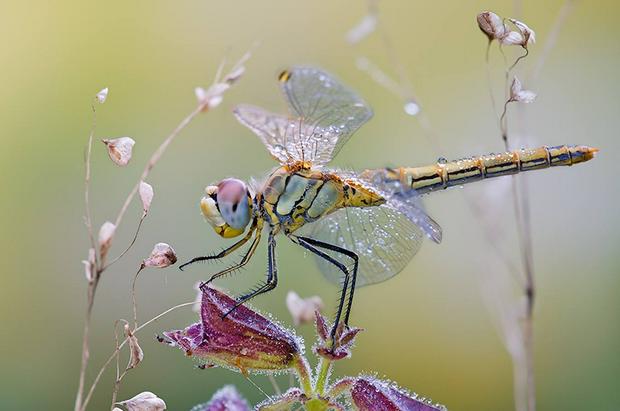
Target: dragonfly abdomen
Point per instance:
(446, 174)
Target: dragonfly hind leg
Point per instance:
(272, 277)
(313, 245)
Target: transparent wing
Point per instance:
(384, 239)
(330, 110)
(405, 200)
(284, 138)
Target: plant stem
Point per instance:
(303, 373)
(324, 368)
(92, 282)
(85, 344)
(133, 298)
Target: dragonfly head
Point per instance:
(227, 206)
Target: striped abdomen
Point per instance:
(446, 174)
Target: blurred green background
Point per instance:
(433, 328)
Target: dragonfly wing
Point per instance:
(331, 111)
(406, 201)
(410, 206)
(278, 133)
(384, 239)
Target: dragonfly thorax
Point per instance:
(297, 194)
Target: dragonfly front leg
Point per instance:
(313, 246)
(246, 258)
(272, 276)
(225, 251)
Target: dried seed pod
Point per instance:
(518, 94)
(491, 25)
(145, 401)
(136, 355)
(106, 233)
(102, 95)
(162, 256)
(146, 196)
(120, 149)
(528, 35)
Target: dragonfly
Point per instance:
(362, 227)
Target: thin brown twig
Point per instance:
(88, 219)
(92, 282)
(133, 297)
(117, 381)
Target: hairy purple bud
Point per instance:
(240, 339)
(371, 394)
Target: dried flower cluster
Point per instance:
(495, 28)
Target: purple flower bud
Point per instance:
(345, 338)
(371, 394)
(225, 399)
(244, 340)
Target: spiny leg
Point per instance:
(272, 276)
(225, 251)
(311, 244)
(349, 254)
(246, 258)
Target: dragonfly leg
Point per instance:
(312, 245)
(244, 260)
(225, 251)
(272, 277)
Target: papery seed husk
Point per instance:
(145, 401)
(102, 95)
(146, 195)
(120, 149)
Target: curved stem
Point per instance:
(133, 298)
(518, 60)
(133, 241)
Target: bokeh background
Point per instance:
(435, 327)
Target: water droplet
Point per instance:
(412, 108)
(442, 161)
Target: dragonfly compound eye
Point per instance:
(227, 207)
